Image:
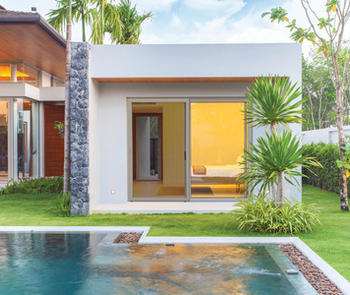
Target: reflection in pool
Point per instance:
(84, 263)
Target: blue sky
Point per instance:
(198, 21)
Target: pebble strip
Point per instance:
(312, 273)
(129, 237)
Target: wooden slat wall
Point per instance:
(54, 144)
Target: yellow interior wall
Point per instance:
(173, 139)
(217, 133)
(173, 144)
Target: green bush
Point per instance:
(260, 214)
(35, 185)
(63, 205)
(326, 177)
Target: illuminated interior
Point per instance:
(217, 132)
(217, 146)
(24, 138)
(24, 72)
(3, 140)
(158, 149)
(5, 73)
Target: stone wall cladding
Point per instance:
(79, 125)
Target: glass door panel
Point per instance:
(158, 150)
(217, 145)
(24, 138)
(3, 141)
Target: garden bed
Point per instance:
(311, 272)
(128, 238)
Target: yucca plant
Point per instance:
(274, 159)
(273, 101)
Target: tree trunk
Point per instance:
(280, 189)
(66, 177)
(273, 186)
(343, 188)
(83, 25)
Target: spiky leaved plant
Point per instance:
(274, 101)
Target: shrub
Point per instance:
(63, 205)
(35, 185)
(260, 214)
(326, 177)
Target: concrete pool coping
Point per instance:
(329, 271)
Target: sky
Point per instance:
(200, 21)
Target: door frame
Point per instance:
(130, 172)
(187, 153)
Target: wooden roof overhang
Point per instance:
(27, 37)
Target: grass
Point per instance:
(330, 239)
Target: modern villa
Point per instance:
(160, 128)
(32, 59)
(154, 128)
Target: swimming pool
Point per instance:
(90, 263)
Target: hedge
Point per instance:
(327, 177)
(35, 185)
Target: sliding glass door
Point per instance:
(186, 149)
(217, 145)
(158, 145)
(4, 158)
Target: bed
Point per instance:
(224, 176)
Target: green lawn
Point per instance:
(331, 240)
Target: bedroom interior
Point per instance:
(216, 136)
(217, 145)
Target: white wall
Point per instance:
(195, 60)
(108, 101)
(45, 79)
(325, 135)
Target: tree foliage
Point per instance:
(275, 158)
(326, 32)
(319, 103)
(107, 19)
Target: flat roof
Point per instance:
(194, 62)
(27, 37)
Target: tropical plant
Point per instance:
(131, 23)
(273, 101)
(59, 126)
(274, 159)
(105, 19)
(326, 33)
(121, 23)
(81, 11)
(260, 214)
(63, 205)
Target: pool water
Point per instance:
(90, 263)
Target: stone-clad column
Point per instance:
(79, 125)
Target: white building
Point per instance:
(160, 128)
